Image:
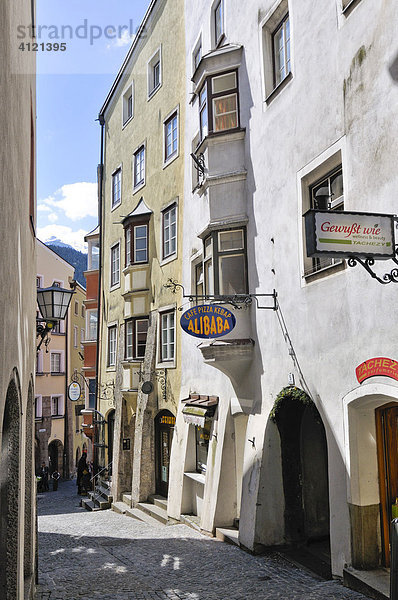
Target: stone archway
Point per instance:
(304, 466)
(9, 494)
(55, 456)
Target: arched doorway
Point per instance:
(55, 456)
(9, 500)
(110, 432)
(304, 468)
(164, 429)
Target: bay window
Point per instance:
(219, 104)
(224, 270)
(136, 240)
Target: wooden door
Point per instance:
(387, 456)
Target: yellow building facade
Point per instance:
(141, 233)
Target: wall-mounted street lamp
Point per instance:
(53, 305)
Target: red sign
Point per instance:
(386, 367)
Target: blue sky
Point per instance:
(71, 87)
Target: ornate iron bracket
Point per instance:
(238, 301)
(199, 163)
(367, 263)
(106, 391)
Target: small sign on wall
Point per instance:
(341, 234)
(126, 444)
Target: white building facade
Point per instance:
(292, 107)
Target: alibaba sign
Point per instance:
(207, 321)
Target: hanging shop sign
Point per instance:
(387, 367)
(74, 391)
(208, 321)
(341, 234)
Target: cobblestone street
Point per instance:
(87, 555)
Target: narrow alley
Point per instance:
(84, 555)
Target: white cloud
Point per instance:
(65, 234)
(76, 200)
(124, 40)
(52, 217)
(43, 208)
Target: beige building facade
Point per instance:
(17, 305)
(141, 234)
(57, 419)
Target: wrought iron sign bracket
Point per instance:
(367, 263)
(159, 374)
(238, 301)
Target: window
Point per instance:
(136, 335)
(55, 362)
(57, 327)
(281, 51)
(91, 324)
(76, 308)
(199, 279)
(169, 229)
(39, 281)
(136, 237)
(167, 336)
(93, 255)
(218, 22)
(171, 137)
(38, 407)
(154, 73)
(81, 338)
(57, 284)
(75, 336)
(224, 264)
(91, 393)
(116, 188)
(197, 54)
(202, 435)
(115, 265)
(276, 50)
(128, 104)
(326, 193)
(83, 311)
(57, 406)
(139, 166)
(39, 362)
(112, 331)
(218, 104)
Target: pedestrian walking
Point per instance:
(81, 466)
(44, 477)
(55, 476)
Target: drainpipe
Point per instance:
(66, 428)
(100, 175)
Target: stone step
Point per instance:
(99, 501)
(127, 499)
(89, 505)
(154, 511)
(228, 534)
(140, 515)
(157, 500)
(106, 484)
(103, 491)
(119, 507)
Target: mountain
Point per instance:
(53, 241)
(72, 256)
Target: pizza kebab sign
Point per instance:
(208, 321)
(342, 234)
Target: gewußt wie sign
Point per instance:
(341, 234)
